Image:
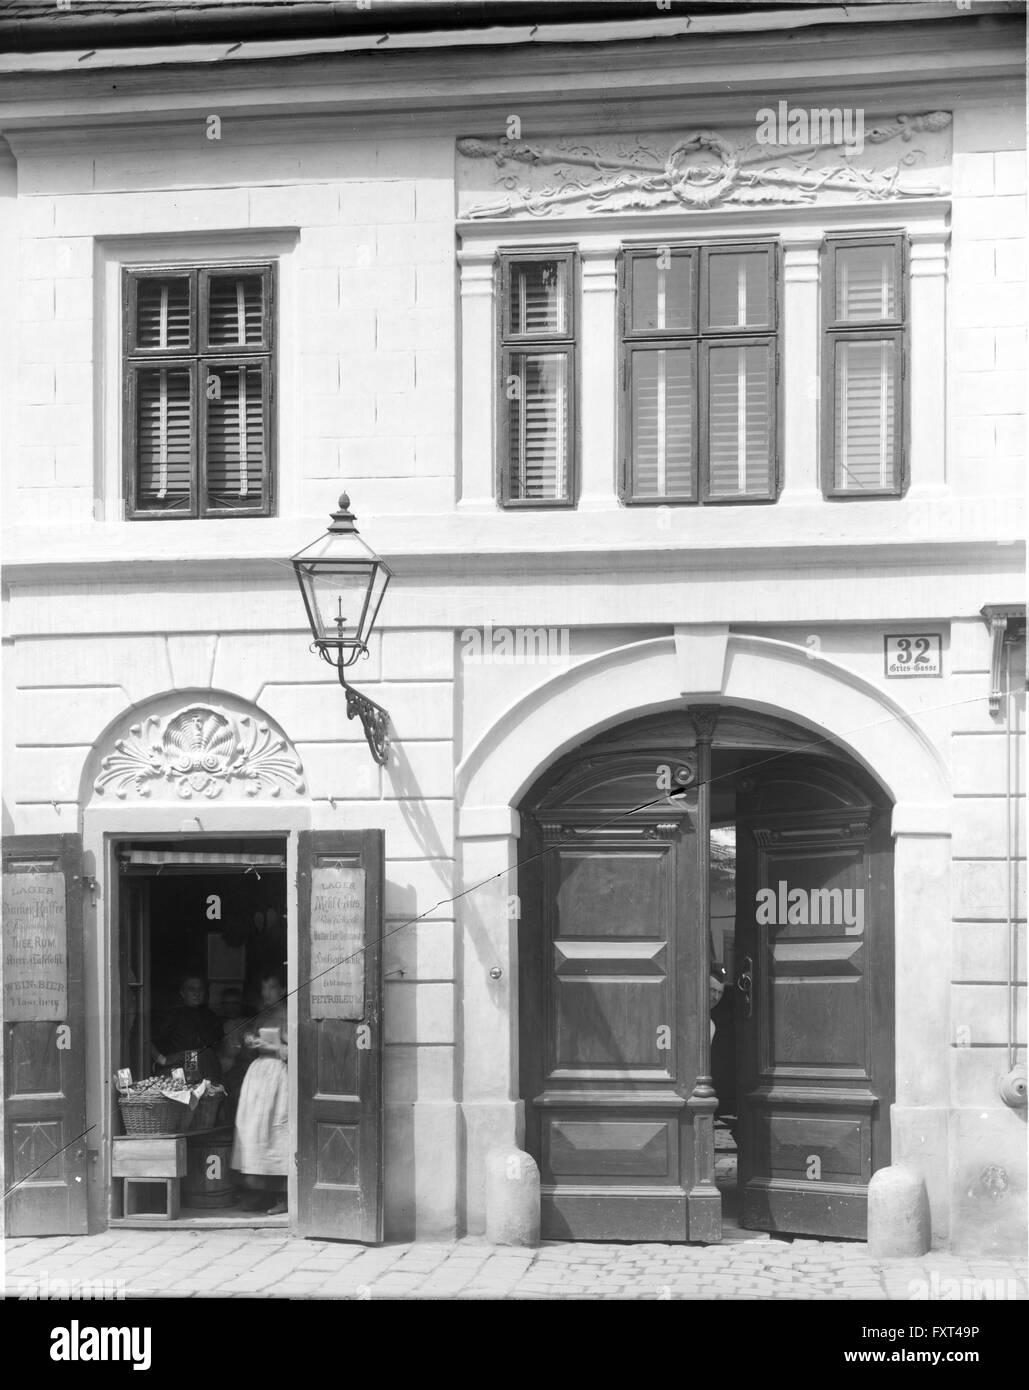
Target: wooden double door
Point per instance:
(614, 1012)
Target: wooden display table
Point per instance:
(146, 1159)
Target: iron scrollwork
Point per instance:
(374, 719)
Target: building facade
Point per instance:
(676, 370)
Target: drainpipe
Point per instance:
(1007, 625)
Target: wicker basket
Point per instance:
(154, 1114)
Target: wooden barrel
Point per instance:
(208, 1181)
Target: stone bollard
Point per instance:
(512, 1198)
(898, 1213)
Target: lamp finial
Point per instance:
(343, 517)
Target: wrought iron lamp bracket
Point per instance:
(374, 719)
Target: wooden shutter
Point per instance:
(339, 1143)
(45, 1139)
(864, 367)
(164, 437)
(739, 419)
(537, 321)
(538, 425)
(699, 378)
(661, 290)
(737, 289)
(866, 287)
(236, 310)
(538, 298)
(865, 416)
(662, 389)
(198, 413)
(235, 438)
(163, 318)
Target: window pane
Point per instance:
(739, 295)
(235, 445)
(662, 423)
(866, 283)
(739, 418)
(163, 439)
(162, 313)
(865, 405)
(235, 311)
(538, 445)
(538, 298)
(661, 292)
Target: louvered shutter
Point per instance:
(865, 292)
(699, 353)
(538, 299)
(739, 420)
(738, 290)
(235, 311)
(163, 320)
(538, 426)
(235, 445)
(197, 418)
(662, 291)
(662, 394)
(538, 362)
(864, 423)
(866, 285)
(164, 437)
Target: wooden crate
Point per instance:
(149, 1156)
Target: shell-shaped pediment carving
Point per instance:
(200, 750)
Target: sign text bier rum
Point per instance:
(35, 947)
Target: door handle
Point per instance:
(745, 986)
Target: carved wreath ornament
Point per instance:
(199, 751)
(702, 170)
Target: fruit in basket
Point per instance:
(152, 1086)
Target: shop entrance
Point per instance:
(202, 951)
(214, 944)
(706, 982)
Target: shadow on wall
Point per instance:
(412, 806)
(400, 1062)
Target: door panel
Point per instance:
(610, 948)
(45, 1145)
(339, 1159)
(814, 925)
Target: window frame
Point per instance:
(702, 338)
(509, 344)
(836, 330)
(200, 358)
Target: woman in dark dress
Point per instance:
(190, 1027)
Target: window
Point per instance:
(863, 366)
(699, 373)
(198, 391)
(536, 420)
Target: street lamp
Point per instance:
(343, 583)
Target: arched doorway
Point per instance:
(616, 950)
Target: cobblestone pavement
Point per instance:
(271, 1263)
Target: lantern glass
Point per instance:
(343, 583)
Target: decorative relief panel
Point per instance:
(903, 157)
(200, 750)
